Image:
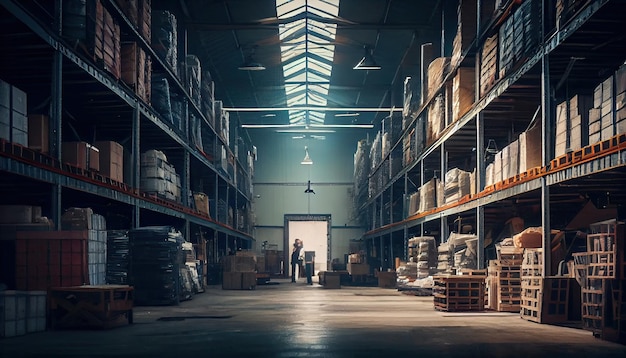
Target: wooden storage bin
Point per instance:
(459, 293)
(547, 303)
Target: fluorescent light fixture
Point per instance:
(347, 115)
(312, 108)
(367, 62)
(269, 115)
(305, 131)
(307, 160)
(297, 137)
(251, 65)
(366, 126)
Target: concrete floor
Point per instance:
(297, 320)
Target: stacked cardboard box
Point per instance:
(193, 78)
(572, 118)
(81, 155)
(466, 30)
(462, 92)
(457, 185)
(201, 201)
(158, 176)
(239, 272)
(428, 195)
(437, 71)
(436, 118)
(111, 157)
(145, 19)
(530, 149)
(414, 203)
(519, 35)
(13, 119)
(107, 49)
(488, 64)
(136, 69)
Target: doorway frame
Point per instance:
(286, 241)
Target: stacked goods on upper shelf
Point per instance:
(155, 265)
(361, 172)
(411, 101)
(519, 35)
(136, 69)
(437, 71)
(601, 125)
(466, 30)
(428, 195)
(138, 13)
(436, 118)
(89, 26)
(111, 159)
(193, 77)
(158, 176)
(201, 202)
(488, 64)
(462, 92)
(13, 119)
(414, 203)
(566, 9)
(530, 149)
(165, 38)
(375, 178)
(207, 97)
(571, 124)
(506, 163)
(81, 155)
(456, 185)
(222, 122)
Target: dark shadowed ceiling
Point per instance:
(326, 46)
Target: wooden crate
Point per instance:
(101, 306)
(459, 293)
(605, 249)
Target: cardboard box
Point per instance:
(387, 279)
(18, 100)
(358, 269)
(248, 280)
(19, 214)
(462, 92)
(231, 280)
(513, 158)
(80, 154)
(5, 94)
(201, 201)
(77, 219)
(330, 280)
(530, 149)
(497, 168)
(39, 132)
(111, 159)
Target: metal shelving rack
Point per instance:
(141, 122)
(533, 78)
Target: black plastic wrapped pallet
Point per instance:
(195, 125)
(165, 38)
(118, 250)
(155, 261)
(79, 22)
(519, 35)
(177, 102)
(194, 78)
(161, 96)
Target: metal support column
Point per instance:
(55, 115)
(186, 179)
(547, 122)
(135, 161)
(405, 248)
(187, 231)
(443, 228)
(480, 183)
(381, 255)
(391, 253)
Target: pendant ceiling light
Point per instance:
(367, 62)
(307, 160)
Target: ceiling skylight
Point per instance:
(307, 52)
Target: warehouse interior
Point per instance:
(158, 160)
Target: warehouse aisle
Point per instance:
(297, 320)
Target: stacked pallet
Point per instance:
(118, 251)
(459, 293)
(488, 64)
(422, 250)
(602, 272)
(165, 38)
(456, 185)
(506, 281)
(138, 13)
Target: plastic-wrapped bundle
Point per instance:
(165, 37)
(196, 131)
(155, 262)
(178, 113)
(117, 257)
(194, 78)
(76, 24)
(161, 96)
(206, 97)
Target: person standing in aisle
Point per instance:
(297, 253)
